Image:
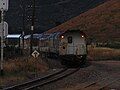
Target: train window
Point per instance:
(35, 42)
(70, 39)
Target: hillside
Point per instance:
(101, 24)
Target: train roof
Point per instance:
(49, 35)
(55, 34)
(14, 36)
(35, 36)
(27, 36)
(44, 36)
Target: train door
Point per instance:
(72, 43)
(63, 45)
(67, 44)
(76, 44)
(70, 46)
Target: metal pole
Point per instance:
(22, 6)
(31, 40)
(32, 26)
(23, 31)
(2, 44)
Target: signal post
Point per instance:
(3, 7)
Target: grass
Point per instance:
(21, 69)
(100, 53)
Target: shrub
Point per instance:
(100, 53)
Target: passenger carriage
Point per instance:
(69, 45)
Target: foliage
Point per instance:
(100, 53)
(113, 45)
(101, 22)
(21, 69)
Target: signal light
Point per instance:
(62, 37)
(82, 36)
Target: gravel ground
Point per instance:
(53, 63)
(92, 71)
(114, 86)
(96, 71)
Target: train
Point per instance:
(69, 45)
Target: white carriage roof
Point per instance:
(13, 35)
(27, 36)
(44, 36)
(55, 35)
(37, 36)
(50, 36)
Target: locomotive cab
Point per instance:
(73, 46)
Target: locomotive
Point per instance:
(69, 45)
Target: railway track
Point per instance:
(101, 84)
(96, 85)
(44, 80)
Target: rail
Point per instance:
(44, 80)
